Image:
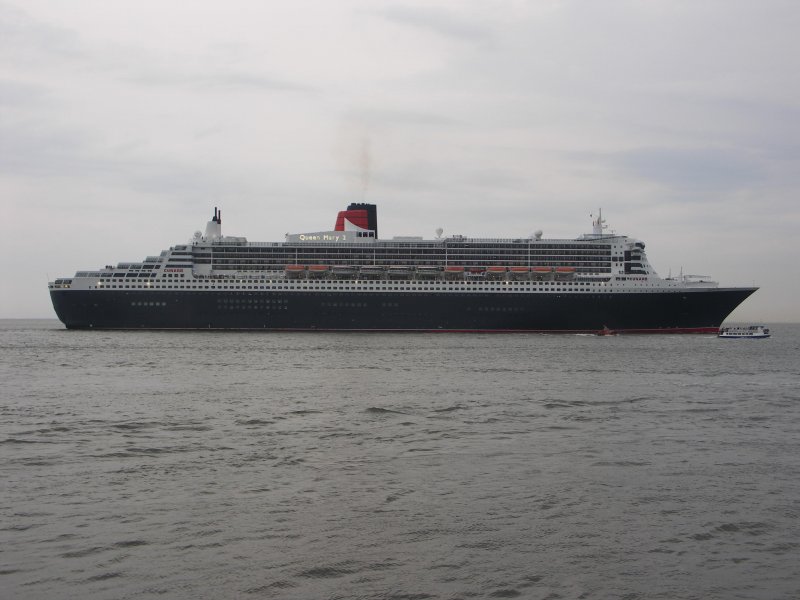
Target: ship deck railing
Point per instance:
(434, 243)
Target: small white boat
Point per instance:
(744, 331)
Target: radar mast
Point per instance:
(599, 224)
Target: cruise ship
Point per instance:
(348, 279)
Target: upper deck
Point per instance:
(354, 253)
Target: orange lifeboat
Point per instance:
(295, 271)
(317, 271)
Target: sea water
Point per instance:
(405, 466)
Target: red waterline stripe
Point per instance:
(682, 330)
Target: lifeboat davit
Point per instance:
(344, 271)
(400, 272)
(372, 272)
(454, 272)
(294, 271)
(318, 271)
(427, 271)
(496, 272)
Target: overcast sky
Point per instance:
(122, 125)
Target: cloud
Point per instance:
(35, 41)
(378, 117)
(705, 169)
(215, 80)
(659, 111)
(445, 23)
(30, 152)
(449, 179)
(14, 93)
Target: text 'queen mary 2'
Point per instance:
(350, 280)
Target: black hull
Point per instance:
(686, 311)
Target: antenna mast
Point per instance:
(599, 224)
